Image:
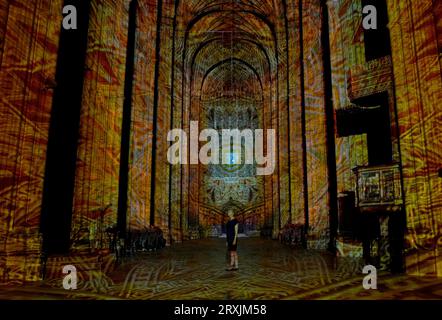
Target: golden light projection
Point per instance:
(88, 104)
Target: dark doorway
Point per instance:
(63, 134)
(369, 115)
(378, 129)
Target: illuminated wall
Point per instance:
(142, 118)
(416, 40)
(97, 170)
(412, 79)
(315, 131)
(28, 42)
(254, 34)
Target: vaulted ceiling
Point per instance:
(234, 58)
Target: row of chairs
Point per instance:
(149, 239)
(292, 234)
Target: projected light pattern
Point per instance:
(259, 63)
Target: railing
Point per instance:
(378, 188)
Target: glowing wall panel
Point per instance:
(315, 125)
(142, 118)
(29, 42)
(418, 81)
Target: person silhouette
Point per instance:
(232, 241)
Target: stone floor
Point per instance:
(268, 270)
